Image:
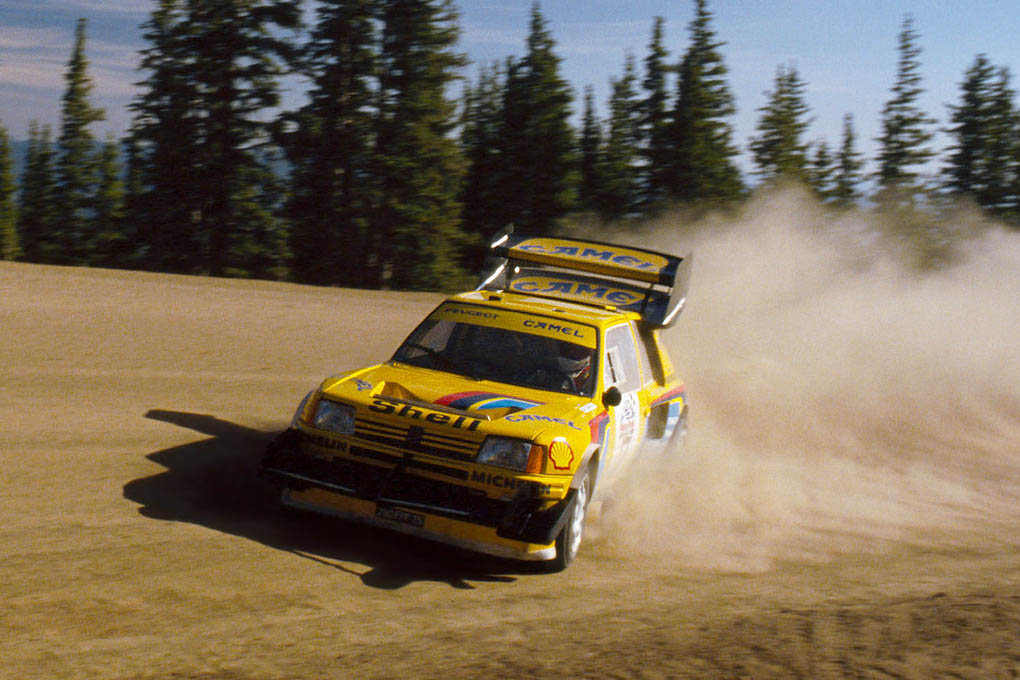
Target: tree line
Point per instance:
(388, 176)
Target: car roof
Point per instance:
(595, 315)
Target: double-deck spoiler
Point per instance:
(611, 275)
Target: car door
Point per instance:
(622, 370)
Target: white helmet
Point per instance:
(575, 362)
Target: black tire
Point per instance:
(568, 543)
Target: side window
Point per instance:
(647, 373)
(621, 359)
(428, 338)
(438, 336)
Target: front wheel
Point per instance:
(568, 543)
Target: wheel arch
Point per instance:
(592, 461)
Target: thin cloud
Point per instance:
(22, 38)
(94, 7)
(48, 76)
(587, 38)
(37, 74)
(490, 37)
(37, 58)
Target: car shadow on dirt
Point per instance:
(214, 483)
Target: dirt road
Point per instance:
(134, 542)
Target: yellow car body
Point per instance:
(474, 434)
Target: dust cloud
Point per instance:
(840, 401)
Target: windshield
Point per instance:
(501, 355)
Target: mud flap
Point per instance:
(523, 521)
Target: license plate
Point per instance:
(400, 516)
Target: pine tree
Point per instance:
(37, 212)
(111, 242)
(778, 150)
(237, 53)
(655, 125)
(328, 144)
(418, 167)
(258, 243)
(903, 149)
(165, 148)
(985, 131)
(621, 190)
(539, 148)
(76, 163)
(133, 202)
(821, 171)
(515, 147)
(703, 166)
(483, 195)
(9, 248)
(848, 166)
(201, 134)
(590, 187)
(1003, 197)
(966, 158)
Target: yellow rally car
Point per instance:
(502, 414)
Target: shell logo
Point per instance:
(561, 454)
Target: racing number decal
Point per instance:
(627, 419)
(623, 372)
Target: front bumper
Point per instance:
(392, 495)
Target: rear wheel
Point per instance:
(568, 543)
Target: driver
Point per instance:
(574, 361)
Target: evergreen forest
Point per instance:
(404, 158)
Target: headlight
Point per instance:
(299, 414)
(514, 454)
(334, 417)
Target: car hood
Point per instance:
(498, 405)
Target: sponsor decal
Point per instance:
(387, 406)
(326, 442)
(560, 454)
(675, 393)
(560, 328)
(627, 416)
(578, 290)
(482, 401)
(620, 257)
(362, 385)
(507, 482)
(516, 321)
(529, 417)
(598, 428)
(469, 311)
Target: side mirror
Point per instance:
(612, 397)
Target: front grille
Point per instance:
(390, 484)
(389, 479)
(416, 439)
(369, 454)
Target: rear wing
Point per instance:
(650, 283)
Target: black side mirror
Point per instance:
(612, 397)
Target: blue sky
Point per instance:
(845, 50)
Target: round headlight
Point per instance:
(506, 453)
(333, 417)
